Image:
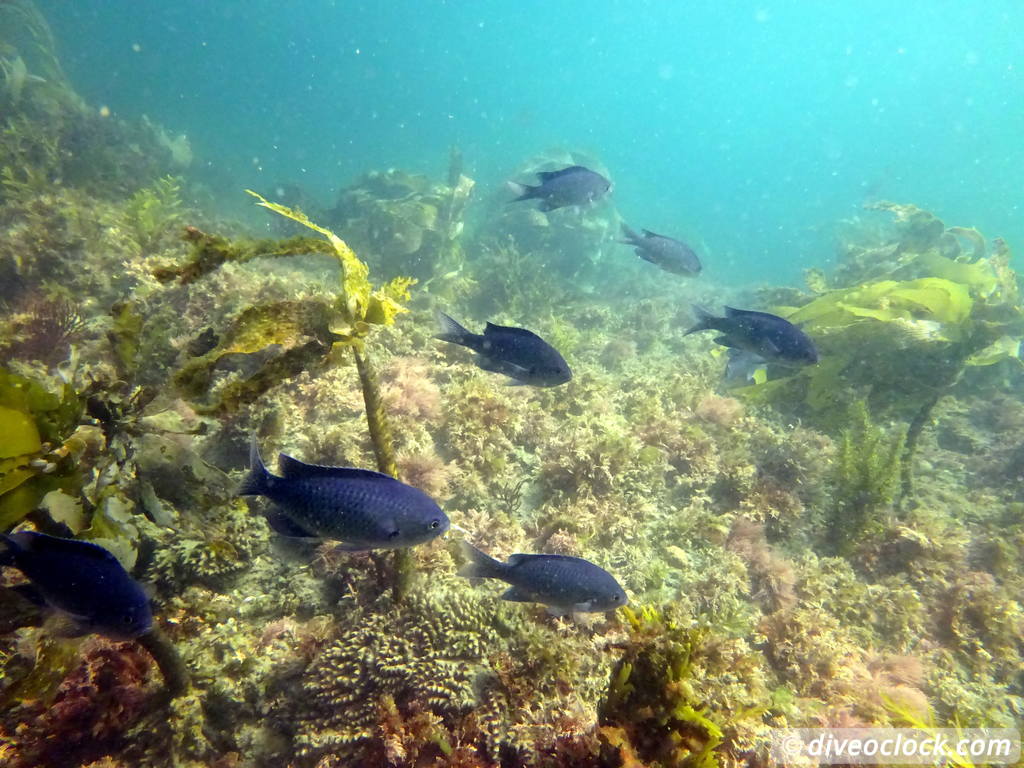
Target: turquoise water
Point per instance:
(748, 129)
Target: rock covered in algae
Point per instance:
(401, 221)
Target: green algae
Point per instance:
(36, 441)
(892, 340)
(653, 711)
(867, 474)
(154, 211)
(21, 437)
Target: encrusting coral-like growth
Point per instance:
(428, 655)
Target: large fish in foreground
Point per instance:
(564, 584)
(670, 254)
(770, 337)
(574, 185)
(359, 507)
(520, 354)
(82, 581)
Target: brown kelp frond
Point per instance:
(210, 252)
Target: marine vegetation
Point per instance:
(867, 472)
(657, 710)
(901, 326)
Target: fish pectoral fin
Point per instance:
(583, 607)
(28, 592)
(61, 624)
(558, 610)
(490, 364)
(771, 347)
(725, 341)
(494, 365)
(282, 524)
(346, 547)
(646, 255)
(518, 595)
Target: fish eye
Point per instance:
(435, 524)
(394, 534)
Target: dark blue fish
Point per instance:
(82, 581)
(362, 508)
(565, 584)
(670, 254)
(770, 337)
(518, 353)
(574, 185)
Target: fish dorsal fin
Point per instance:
(733, 312)
(519, 558)
(548, 175)
(491, 328)
(30, 541)
(294, 469)
(648, 233)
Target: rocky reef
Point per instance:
(791, 559)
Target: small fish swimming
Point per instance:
(359, 507)
(770, 337)
(670, 254)
(520, 354)
(83, 581)
(574, 185)
(564, 584)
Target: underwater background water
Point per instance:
(748, 128)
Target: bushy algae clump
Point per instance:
(867, 472)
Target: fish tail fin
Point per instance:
(631, 237)
(524, 191)
(255, 483)
(480, 565)
(448, 329)
(705, 320)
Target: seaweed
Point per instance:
(867, 473)
(904, 342)
(652, 712)
(38, 441)
(153, 211)
(209, 252)
(296, 336)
